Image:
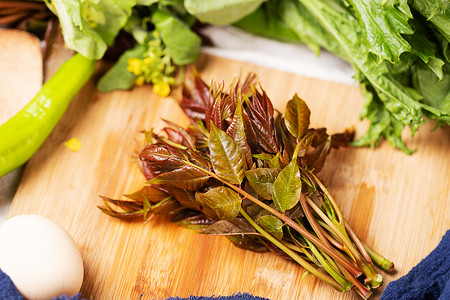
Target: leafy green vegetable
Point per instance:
(247, 242)
(272, 224)
(183, 44)
(437, 12)
(146, 2)
(221, 12)
(186, 177)
(118, 77)
(161, 30)
(237, 131)
(383, 27)
(261, 180)
(437, 91)
(227, 158)
(237, 226)
(296, 117)
(225, 202)
(91, 26)
(269, 24)
(388, 43)
(287, 187)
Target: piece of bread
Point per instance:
(21, 71)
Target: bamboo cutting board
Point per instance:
(396, 203)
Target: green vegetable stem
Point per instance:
(25, 132)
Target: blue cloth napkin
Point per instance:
(430, 279)
(238, 296)
(8, 290)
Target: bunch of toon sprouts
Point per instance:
(247, 172)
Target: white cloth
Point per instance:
(230, 42)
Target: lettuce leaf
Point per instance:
(90, 26)
(265, 23)
(174, 37)
(436, 92)
(383, 27)
(437, 12)
(400, 57)
(118, 77)
(182, 42)
(221, 12)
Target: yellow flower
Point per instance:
(162, 89)
(148, 60)
(134, 65)
(139, 81)
(73, 144)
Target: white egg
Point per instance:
(40, 257)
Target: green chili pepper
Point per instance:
(24, 133)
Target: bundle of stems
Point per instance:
(247, 172)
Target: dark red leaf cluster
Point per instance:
(243, 170)
(176, 162)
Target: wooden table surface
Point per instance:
(396, 203)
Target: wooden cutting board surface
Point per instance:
(398, 204)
